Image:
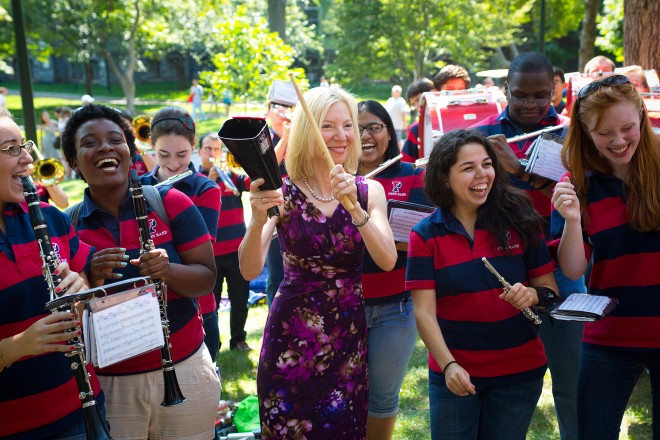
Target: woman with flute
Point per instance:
(173, 138)
(486, 360)
(34, 371)
(390, 320)
(312, 375)
(98, 142)
(611, 206)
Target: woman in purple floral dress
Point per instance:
(312, 379)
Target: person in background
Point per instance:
(390, 320)
(486, 361)
(3, 97)
(558, 90)
(637, 77)
(398, 109)
(279, 118)
(529, 87)
(323, 82)
(34, 368)
(410, 149)
(452, 77)
(86, 99)
(63, 117)
(611, 206)
(142, 162)
(231, 230)
(488, 82)
(312, 377)
(173, 138)
(197, 94)
(99, 144)
(599, 64)
(47, 135)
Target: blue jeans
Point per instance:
(211, 333)
(493, 413)
(392, 333)
(275, 266)
(562, 341)
(607, 379)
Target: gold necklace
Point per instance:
(316, 196)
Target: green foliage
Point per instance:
(6, 39)
(249, 58)
(610, 28)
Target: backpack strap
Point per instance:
(151, 195)
(153, 198)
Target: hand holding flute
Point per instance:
(517, 295)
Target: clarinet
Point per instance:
(172, 395)
(94, 424)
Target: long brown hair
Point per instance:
(580, 155)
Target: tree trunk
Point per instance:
(89, 78)
(588, 35)
(277, 17)
(641, 33)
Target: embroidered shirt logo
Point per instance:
(56, 251)
(152, 229)
(396, 186)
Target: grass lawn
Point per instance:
(238, 370)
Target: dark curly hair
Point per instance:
(377, 109)
(506, 208)
(87, 113)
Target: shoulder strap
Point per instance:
(152, 196)
(74, 213)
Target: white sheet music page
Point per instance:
(582, 302)
(128, 329)
(546, 158)
(403, 220)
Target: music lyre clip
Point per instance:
(526, 311)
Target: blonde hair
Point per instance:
(580, 155)
(301, 150)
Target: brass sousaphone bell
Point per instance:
(142, 126)
(248, 140)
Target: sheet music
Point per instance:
(127, 329)
(582, 302)
(403, 220)
(545, 159)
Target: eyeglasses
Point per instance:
(15, 150)
(186, 120)
(608, 81)
(539, 102)
(372, 128)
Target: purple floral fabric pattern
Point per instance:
(312, 376)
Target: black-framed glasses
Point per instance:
(539, 102)
(187, 121)
(608, 81)
(374, 128)
(15, 150)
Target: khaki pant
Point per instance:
(134, 410)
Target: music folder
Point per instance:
(544, 157)
(584, 307)
(403, 216)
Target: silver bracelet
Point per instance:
(363, 222)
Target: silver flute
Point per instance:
(526, 311)
(172, 180)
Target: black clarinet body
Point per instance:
(94, 424)
(172, 395)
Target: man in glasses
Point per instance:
(529, 90)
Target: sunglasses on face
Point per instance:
(372, 128)
(15, 150)
(608, 81)
(186, 120)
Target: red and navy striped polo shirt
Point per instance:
(38, 394)
(410, 148)
(403, 183)
(503, 124)
(231, 228)
(205, 195)
(187, 230)
(625, 267)
(489, 337)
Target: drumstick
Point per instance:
(318, 136)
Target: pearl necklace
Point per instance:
(316, 196)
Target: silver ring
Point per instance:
(348, 182)
(264, 200)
